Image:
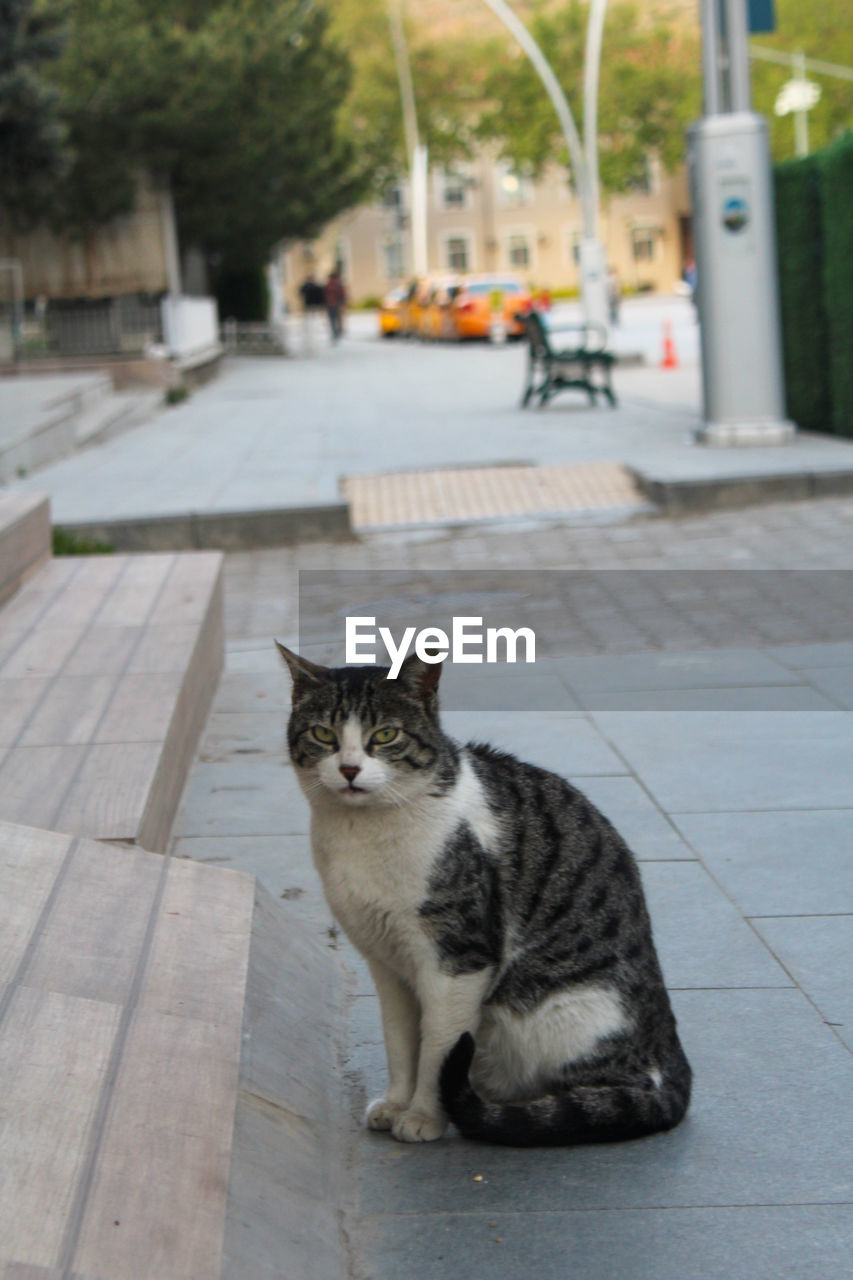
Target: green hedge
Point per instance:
(814, 227)
(799, 238)
(836, 181)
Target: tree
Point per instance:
(649, 92)
(231, 103)
(32, 140)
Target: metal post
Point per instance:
(170, 243)
(593, 282)
(16, 272)
(711, 56)
(416, 153)
(738, 51)
(801, 118)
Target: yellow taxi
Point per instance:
(391, 312)
(436, 323)
(482, 301)
(423, 305)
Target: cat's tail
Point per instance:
(604, 1113)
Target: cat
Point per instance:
(501, 916)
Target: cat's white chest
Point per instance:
(376, 866)
(375, 878)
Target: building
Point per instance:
(486, 216)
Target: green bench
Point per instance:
(583, 366)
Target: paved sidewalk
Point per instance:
(276, 435)
(705, 705)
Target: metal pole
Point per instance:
(415, 152)
(170, 243)
(711, 56)
(738, 50)
(801, 118)
(593, 283)
(591, 67)
(552, 87)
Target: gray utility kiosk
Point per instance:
(735, 238)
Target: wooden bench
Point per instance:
(108, 665)
(583, 366)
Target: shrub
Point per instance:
(799, 238)
(836, 177)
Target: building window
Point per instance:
(513, 187)
(643, 241)
(394, 257)
(454, 191)
(392, 197)
(519, 250)
(458, 252)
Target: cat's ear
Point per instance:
(419, 677)
(302, 671)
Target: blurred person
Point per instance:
(313, 297)
(614, 294)
(336, 300)
(691, 279)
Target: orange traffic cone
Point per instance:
(670, 359)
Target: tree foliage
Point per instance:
(32, 139)
(649, 92)
(233, 103)
(448, 75)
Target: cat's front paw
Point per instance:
(382, 1113)
(417, 1126)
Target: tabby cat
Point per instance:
(501, 916)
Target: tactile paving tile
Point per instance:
(482, 493)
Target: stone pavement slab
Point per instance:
(667, 1244)
(756, 1181)
(278, 435)
(782, 862)
(816, 951)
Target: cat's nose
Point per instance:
(350, 771)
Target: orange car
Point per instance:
(482, 300)
(425, 305)
(436, 322)
(391, 312)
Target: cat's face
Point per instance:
(359, 738)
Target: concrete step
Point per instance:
(172, 1099)
(121, 1027)
(118, 412)
(108, 665)
(46, 418)
(25, 538)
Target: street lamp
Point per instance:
(584, 163)
(417, 153)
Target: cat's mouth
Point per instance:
(350, 790)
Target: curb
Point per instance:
(219, 530)
(289, 1180)
(674, 497)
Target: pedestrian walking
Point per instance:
(313, 297)
(336, 300)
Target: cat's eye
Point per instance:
(323, 734)
(383, 736)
